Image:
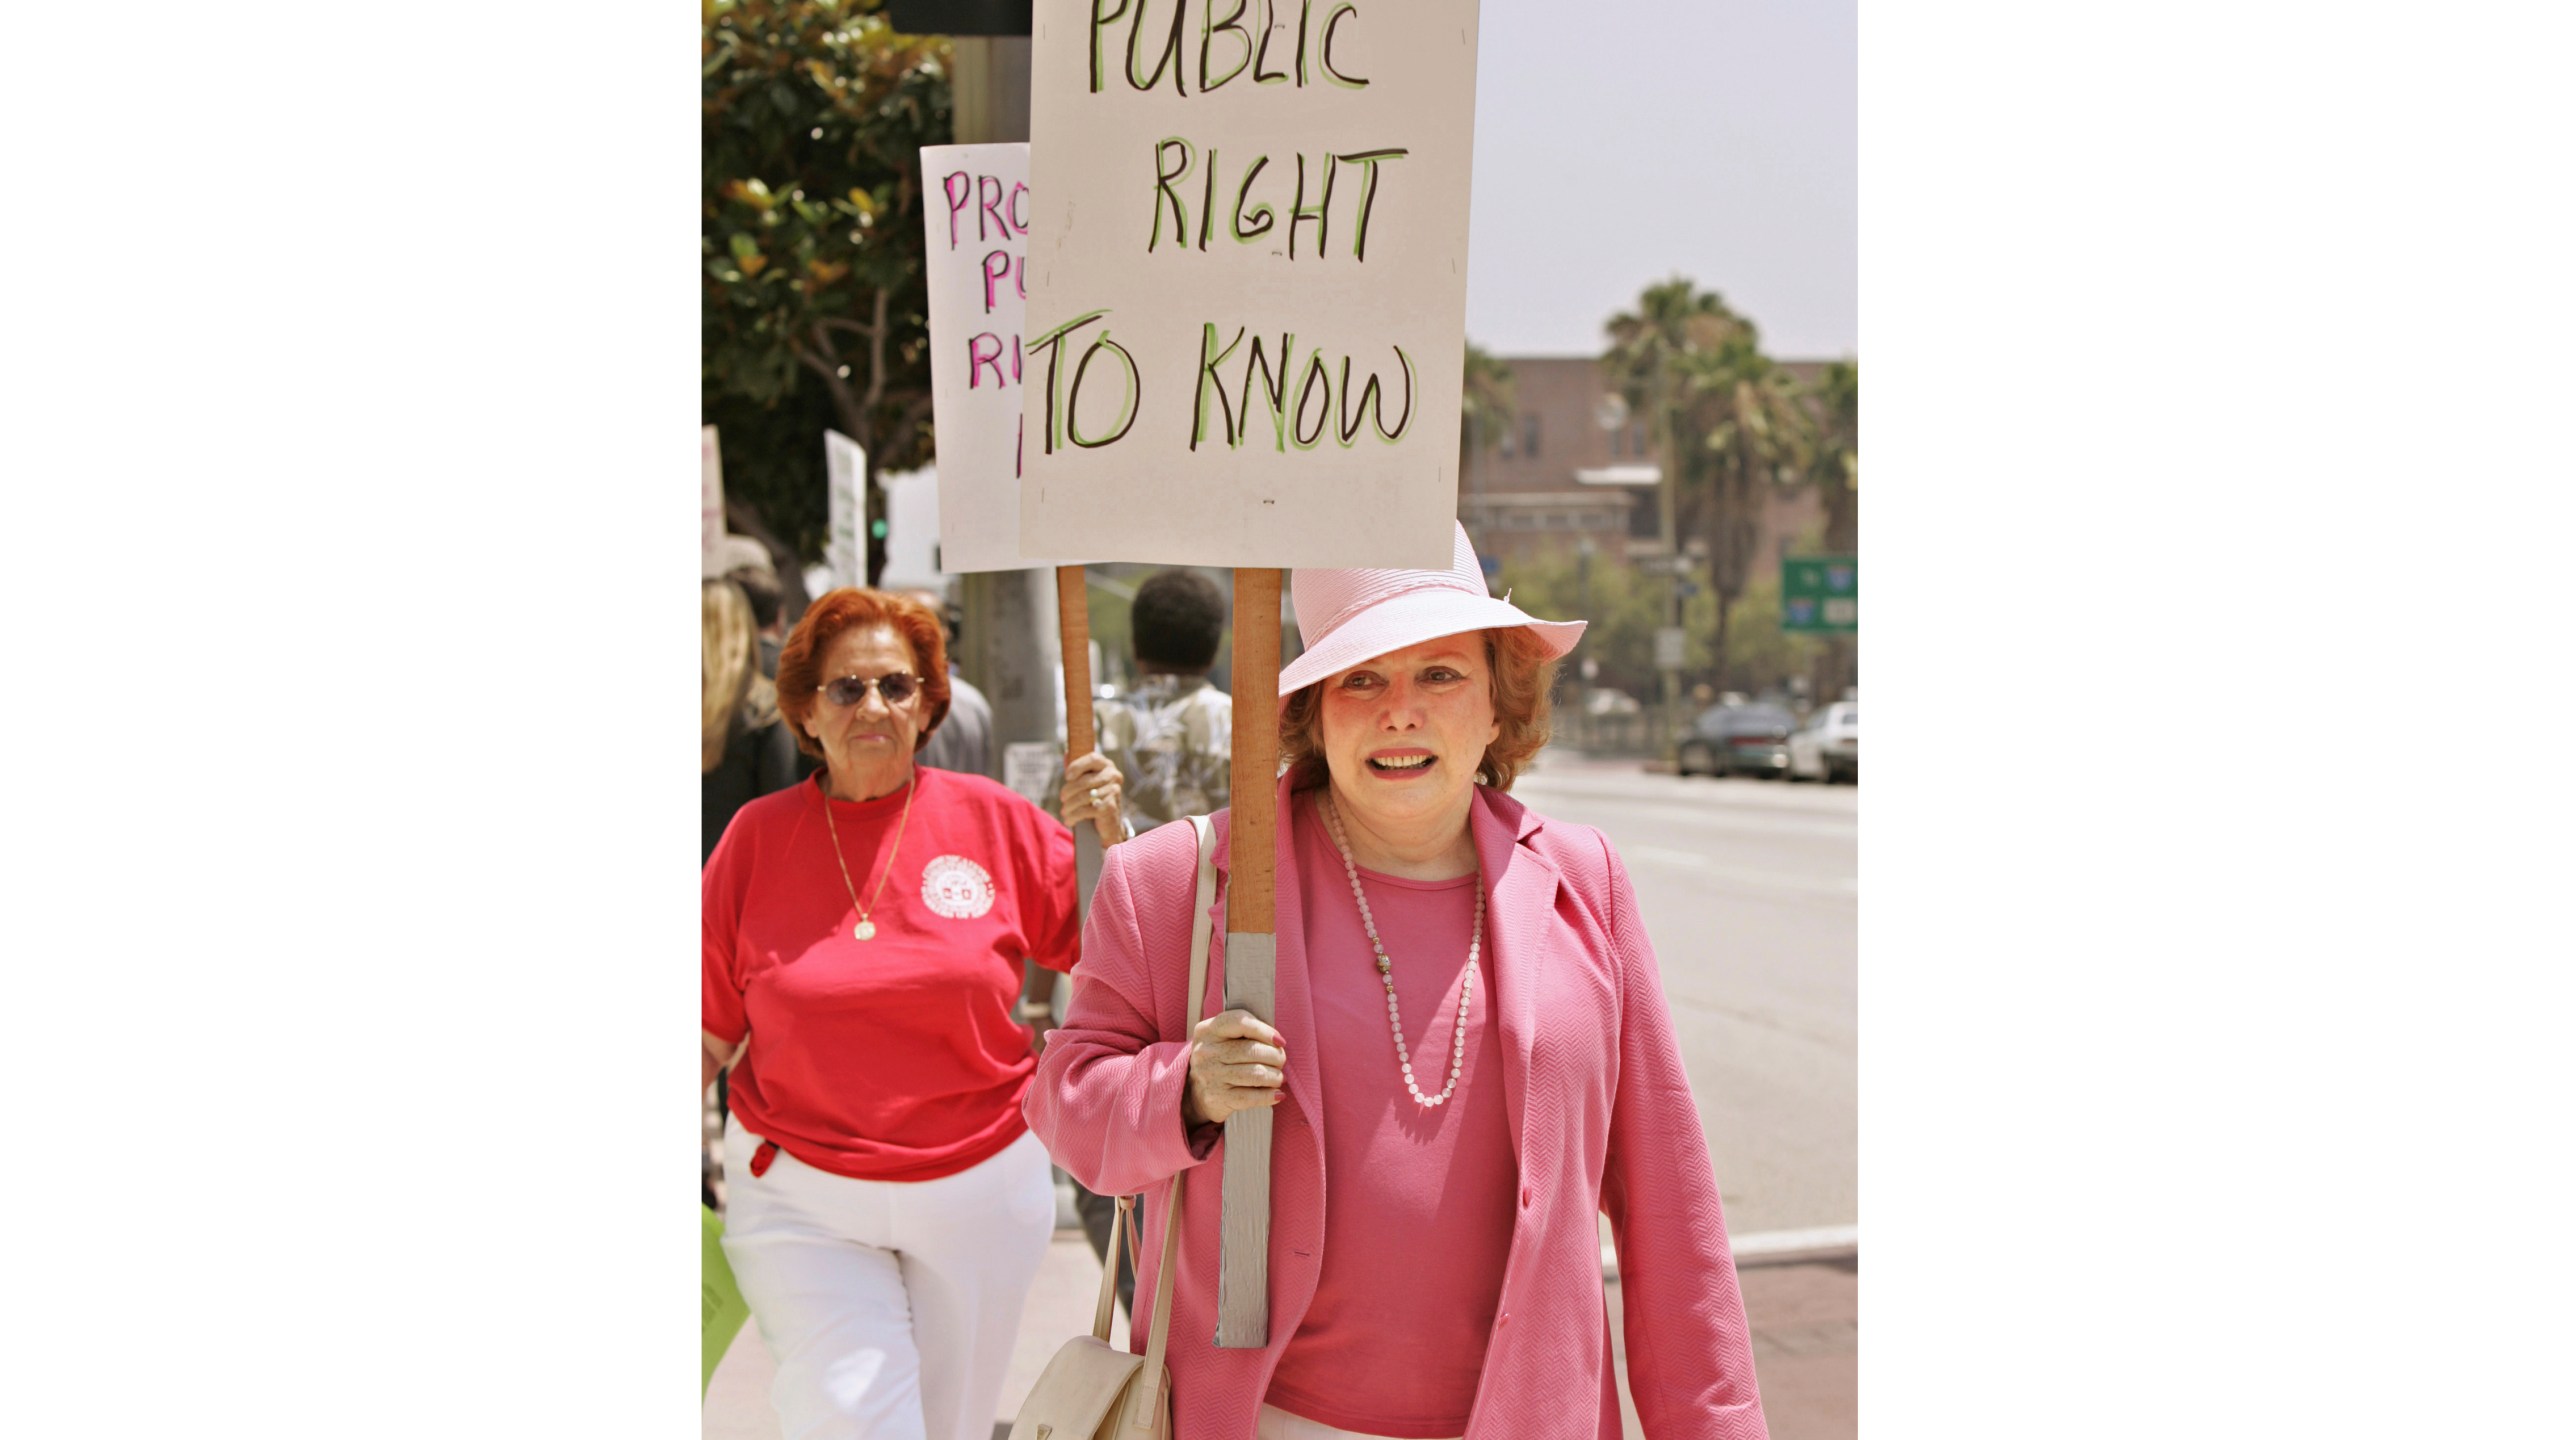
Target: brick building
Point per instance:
(1562, 476)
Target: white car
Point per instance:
(1826, 747)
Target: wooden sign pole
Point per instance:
(1244, 1216)
(1075, 654)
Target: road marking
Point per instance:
(1738, 875)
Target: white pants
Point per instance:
(890, 1308)
(1278, 1424)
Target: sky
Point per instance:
(1621, 141)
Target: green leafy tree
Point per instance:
(813, 305)
(1759, 652)
(1622, 606)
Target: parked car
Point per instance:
(1737, 739)
(1826, 749)
(1611, 702)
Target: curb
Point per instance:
(1771, 1247)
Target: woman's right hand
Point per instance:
(1235, 1065)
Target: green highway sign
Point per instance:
(1818, 594)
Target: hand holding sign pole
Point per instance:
(1242, 339)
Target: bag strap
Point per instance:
(1160, 1324)
(1150, 1384)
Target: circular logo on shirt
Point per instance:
(957, 888)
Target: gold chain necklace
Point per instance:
(1386, 971)
(863, 928)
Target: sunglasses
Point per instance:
(847, 691)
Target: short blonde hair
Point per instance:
(1523, 679)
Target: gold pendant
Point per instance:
(865, 930)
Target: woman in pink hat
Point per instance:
(1472, 1056)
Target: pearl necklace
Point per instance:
(1386, 970)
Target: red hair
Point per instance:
(796, 677)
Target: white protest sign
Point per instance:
(715, 509)
(848, 528)
(977, 223)
(1247, 309)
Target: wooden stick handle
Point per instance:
(1256, 750)
(1075, 655)
(1075, 652)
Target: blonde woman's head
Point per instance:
(728, 664)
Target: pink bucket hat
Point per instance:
(1347, 616)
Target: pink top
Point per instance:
(1405, 1301)
(897, 1057)
(1597, 1106)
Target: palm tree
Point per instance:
(1649, 346)
(1486, 402)
(1834, 473)
(1835, 457)
(1750, 432)
(1673, 319)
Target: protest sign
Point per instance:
(977, 219)
(1245, 323)
(715, 512)
(848, 528)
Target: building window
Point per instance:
(1529, 435)
(1635, 428)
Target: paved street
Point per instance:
(1749, 890)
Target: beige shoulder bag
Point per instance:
(1089, 1390)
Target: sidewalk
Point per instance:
(1804, 1338)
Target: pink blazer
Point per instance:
(1601, 1118)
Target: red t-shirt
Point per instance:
(893, 1058)
(1418, 1203)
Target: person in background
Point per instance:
(864, 935)
(1170, 737)
(764, 594)
(1472, 1056)
(965, 740)
(744, 559)
(746, 749)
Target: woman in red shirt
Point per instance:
(1472, 1055)
(867, 932)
